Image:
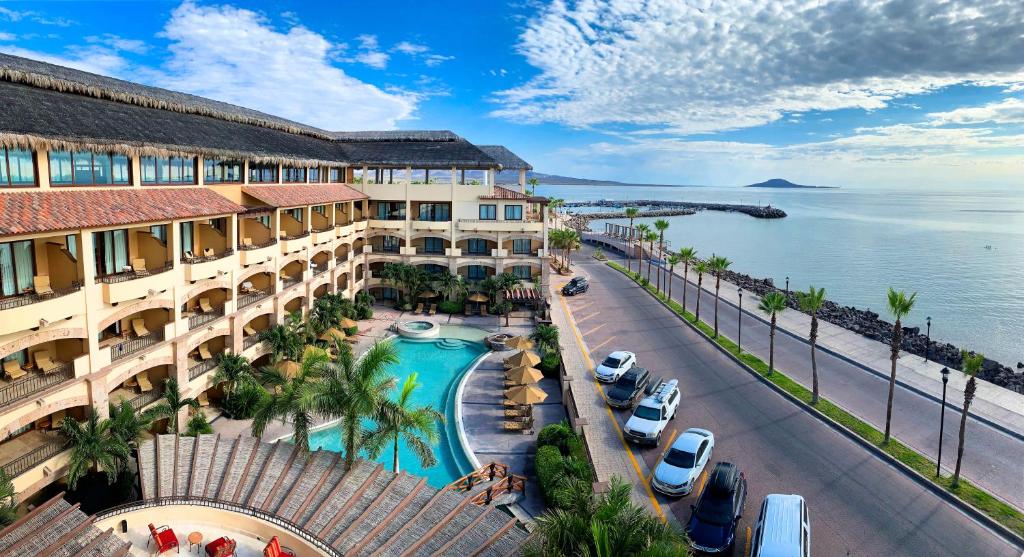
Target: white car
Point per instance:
(684, 462)
(614, 366)
(651, 416)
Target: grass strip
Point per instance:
(998, 510)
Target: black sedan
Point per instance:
(624, 392)
(712, 524)
(575, 286)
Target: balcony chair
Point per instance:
(221, 547)
(204, 351)
(139, 326)
(275, 549)
(203, 399)
(249, 331)
(144, 383)
(57, 418)
(12, 369)
(44, 363)
(208, 252)
(164, 538)
(433, 309)
(204, 305)
(419, 308)
(139, 266)
(188, 256)
(247, 242)
(41, 284)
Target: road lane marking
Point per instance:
(671, 437)
(595, 329)
(594, 349)
(703, 480)
(611, 416)
(746, 546)
(584, 318)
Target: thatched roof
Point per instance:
(418, 154)
(396, 135)
(507, 159)
(59, 528)
(301, 195)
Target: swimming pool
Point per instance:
(440, 363)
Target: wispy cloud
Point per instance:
(1007, 111)
(116, 42)
(422, 52)
(370, 53)
(33, 16)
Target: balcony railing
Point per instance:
(287, 281)
(199, 319)
(33, 458)
(207, 258)
(250, 341)
(295, 236)
(324, 229)
(260, 245)
(32, 298)
(132, 275)
(318, 269)
(146, 398)
(128, 347)
(250, 298)
(341, 258)
(199, 368)
(34, 383)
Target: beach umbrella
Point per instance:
(519, 343)
(524, 375)
(428, 294)
(289, 368)
(526, 394)
(347, 323)
(477, 297)
(332, 333)
(522, 359)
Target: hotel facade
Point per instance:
(144, 231)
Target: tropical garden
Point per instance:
(412, 282)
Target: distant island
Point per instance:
(556, 180)
(780, 183)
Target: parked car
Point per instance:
(783, 528)
(577, 285)
(713, 520)
(614, 366)
(684, 462)
(651, 416)
(624, 392)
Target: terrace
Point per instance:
(256, 237)
(131, 262)
(203, 358)
(294, 229)
(206, 248)
(142, 389)
(205, 307)
(254, 288)
(45, 281)
(134, 333)
(31, 445)
(37, 368)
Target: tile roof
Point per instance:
(505, 193)
(306, 194)
(51, 210)
(506, 158)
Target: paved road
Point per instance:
(859, 505)
(992, 459)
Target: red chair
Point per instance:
(164, 538)
(221, 547)
(275, 549)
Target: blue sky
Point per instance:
(857, 92)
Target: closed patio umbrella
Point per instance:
(332, 333)
(519, 343)
(347, 323)
(428, 294)
(289, 368)
(526, 394)
(524, 375)
(477, 297)
(522, 359)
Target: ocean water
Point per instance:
(962, 251)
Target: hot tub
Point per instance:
(419, 329)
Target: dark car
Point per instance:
(575, 286)
(624, 392)
(712, 524)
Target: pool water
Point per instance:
(440, 363)
(418, 325)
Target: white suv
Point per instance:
(614, 366)
(651, 416)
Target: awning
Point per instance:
(523, 295)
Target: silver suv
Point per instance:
(651, 416)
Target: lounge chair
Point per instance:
(221, 547)
(57, 418)
(189, 256)
(164, 538)
(515, 413)
(41, 284)
(139, 266)
(203, 399)
(44, 363)
(247, 242)
(144, 383)
(204, 351)
(249, 331)
(516, 426)
(208, 252)
(275, 549)
(139, 326)
(433, 309)
(419, 308)
(12, 369)
(204, 305)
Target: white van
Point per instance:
(783, 528)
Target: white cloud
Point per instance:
(420, 51)
(7, 36)
(1008, 111)
(92, 59)
(407, 47)
(115, 42)
(702, 66)
(16, 16)
(370, 54)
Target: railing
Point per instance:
(287, 281)
(34, 383)
(250, 341)
(133, 345)
(207, 258)
(324, 229)
(132, 275)
(33, 458)
(295, 236)
(506, 485)
(149, 397)
(222, 505)
(341, 259)
(260, 245)
(250, 298)
(32, 298)
(318, 269)
(199, 319)
(200, 368)
(486, 473)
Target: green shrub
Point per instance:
(197, 425)
(242, 403)
(578, 454)
(364, 312)
(351, 331)
(557, 435)
(550, 468)
(549, 364)
(449, 306)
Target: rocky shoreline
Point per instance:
(648, 205)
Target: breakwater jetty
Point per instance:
(648, 208)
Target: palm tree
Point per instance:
(660, 225)
(673, 260)
(353, 391)
(128, 425)
(899, 306)
(8, 500)
(972, 365)
(297, 400)
(172, 404)
(554, 204)
(556, 242)
(811, 303)
(232, 369)
(93, 447)
(772, 303)
(641, 236)
(533, 185)
(701, 267)
(571, 241)
(718, 265)
(631, 213)
(284, 343)
(687, 255)
(546, 337)
(398, 419)
(450, 284)
(651, 237)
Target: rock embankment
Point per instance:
(651, 205)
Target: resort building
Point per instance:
(144, 231)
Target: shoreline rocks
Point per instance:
(650, 205)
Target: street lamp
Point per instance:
(942, 419)
(928, 339)
(739, 324)
(787, 285)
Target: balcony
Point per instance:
(249, 298)
(433, 226)
(29, 309)
(343, 230)
(323, 235)
(477, 225)
(318, 270)
(30, 449)
(120, 349)
(196, 320)
(254, 254)
(208, 266)
(141, 400)
(195, 369)
(132, 285)
(387, 224)
(250, 341)
(288, 282)
(35, 382)
(295, 242)
(360, 225)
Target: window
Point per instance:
(295, 213)
(436, 212)
(435, 269)
(314, 175)
(320, 210)
(521, 246)
(159, 231)
(17, 267)
(220, 171)
(263, 219)
(488, 212)
(168, 170)
(220, 225)
(391, 210)
(391, 244)
(433, 245)
(336, 175)
(291, 174)
(17, 168)
(262, 173)
(522, 272)
(71, 241)
(111, 251)
(513, 212)
(186, 238)
(21, 356)
(476, 246)
(476, 272)
(85, 168)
